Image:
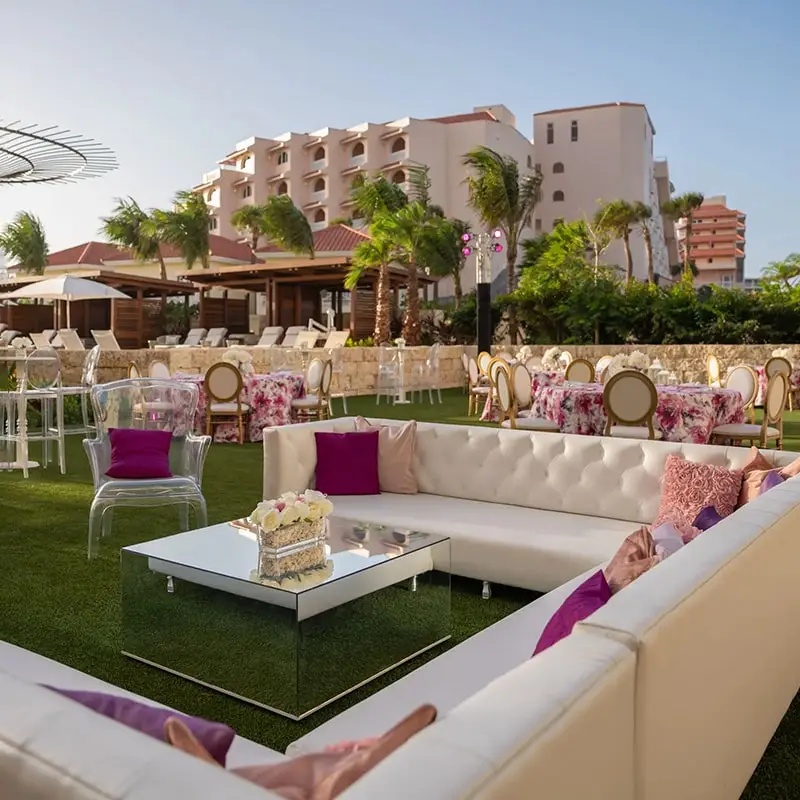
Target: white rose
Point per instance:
(312, 496)
(289, 515)
(260, 510)
(288, 497)
(314, 512)
(271, 521)
(302, 508)
(325, 506)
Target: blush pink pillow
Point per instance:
(347, 463)
(689, 487)
(636, 555)
(139, 454)
(396, 445)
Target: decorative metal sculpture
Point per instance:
(33, 154)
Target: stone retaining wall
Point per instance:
(360, 364)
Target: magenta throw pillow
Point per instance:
(139, 454)
(215, 737)
(591, 595)
(347, 463)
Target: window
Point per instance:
(283, 157)
(550, 133)
(319, 154)
(319, 215)
(537, 168)
(573, 133)
(244, 162)
(530, 162)
(558, 168)
(537, 225)
(727, 280)
(710, 260)
(247, 190)
(358, 150)
(399, 145)
(558, 221)
(319, 185)
(283, 188)
(558, 196)
(399, 177)
(213, 222)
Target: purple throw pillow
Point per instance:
(139, 454)
(214, 736)
(772, 479)
(592, 594)
(347, 463)
(707, 518)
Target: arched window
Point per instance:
(358, 149)
(558, 197)
(244, 162)
(283, 157)
(319, 215)
(399, 177)
(283, 188)
(319, 185)
(399, 145)
(558, 168)
(319, 154)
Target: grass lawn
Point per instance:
(57, 603)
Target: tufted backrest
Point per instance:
(592, 475)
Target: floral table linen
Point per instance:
(269, 397)
(491, 412)
(685, 413)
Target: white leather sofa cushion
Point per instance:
(52, 748)
(33, 668)
(558, 727)
(715, 628)
(517, 546)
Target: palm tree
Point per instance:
(643, 214)
(185, 227)
(683, 207)
(618, 217)
(505, 199)
(375, 253)
(286, 225)
(373, 195)
(443, 251)
(133, 228)
(24, 240)
(785, 272)
(249, 220)
(419, 184)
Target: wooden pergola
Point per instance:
(293, 290)
(133, 321)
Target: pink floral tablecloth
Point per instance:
(538, 380)
(269, 397)
(684, 413)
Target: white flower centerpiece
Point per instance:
(551, 360)
(240, 358)
(622, 361)
(291, 533)
(525, 352)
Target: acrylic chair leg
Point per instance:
(344, 405)
(439, 394)
(200, 512)
(486, 590)
(107, 519)
(62, 455)
(95, 528)
(183, 510)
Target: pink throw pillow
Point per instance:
(689, 487)
(139, 454)
(347, 463)
(636, 555)
(396, 445)
(757, 470)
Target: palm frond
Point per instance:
(286, 225)
(24, 240)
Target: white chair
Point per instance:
(712, 370)
(771, 426)
(291, 334)
(113, 405)
(478, 390)
(465, 364)
(781, 364)
(70, 339)
(306, 339)
(580, 370)
(336, 339)
(224, 386)
(270, 336)
(534, 364)
(133, 371)
(426, 375)
(158, 369)
(510, 396)
(215, 337)
(106, 340)
(388, 378)
(316, 403)
(565, 359)
(483, 362)
(630, 400)
(195, 337)
(506, 356)
(602, 365)
(337, 373)
(743, 379)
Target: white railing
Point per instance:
(313, 325)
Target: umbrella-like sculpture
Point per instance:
(66, 287)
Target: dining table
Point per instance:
(269, 398)
(684, 413)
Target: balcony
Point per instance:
(318, 197)
(317, 226)
(319, 165)
(357, 161)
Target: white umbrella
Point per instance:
(66, 287)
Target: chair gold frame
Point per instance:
(509, 404)
(133, 370)
(477, 389)
(577, 363)
(321, 409)
(216, 417)
(637, 420)
(749, 402)
(785, 366)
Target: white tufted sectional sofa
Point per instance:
(673, 689)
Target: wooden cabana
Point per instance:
(133, 321)
(293, 289)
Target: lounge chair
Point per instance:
(291, 334)
(216, 337)
(270, 336)
(70, 339)
(40, 339)
(306, 339)
(106, 340)
(336, 339)
(195, 337)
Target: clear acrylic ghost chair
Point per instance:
(114, 406)
(388, 382)
(83, 392)
(337, 375)
(427, 375)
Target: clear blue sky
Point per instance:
(172, 85)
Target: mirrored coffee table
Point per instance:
(193, 605)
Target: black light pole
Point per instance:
(485, 245)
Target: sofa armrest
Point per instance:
(290, 454)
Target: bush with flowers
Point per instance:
(240, 358)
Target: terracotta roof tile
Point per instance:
(333, 239)
(86, 254)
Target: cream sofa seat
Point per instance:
(718, 655)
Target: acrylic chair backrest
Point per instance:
(89, 370)
(42, 370)
(223, 382)
(386, 355)
(433, 356)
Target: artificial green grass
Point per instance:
(55, 602)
